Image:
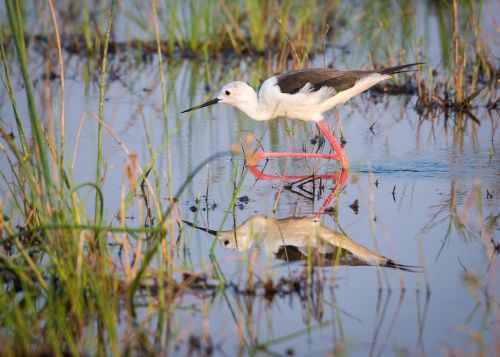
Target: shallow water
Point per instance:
(410, 227)
(415, 179)
(362, 309)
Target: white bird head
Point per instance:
(246, 235)
(233, 93)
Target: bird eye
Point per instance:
(226, 242)
(228, 92)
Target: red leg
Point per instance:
(339, 177)
(335, 145)
(259, 175)
(260, 155)
(338, 156)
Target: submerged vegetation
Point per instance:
(73, 266)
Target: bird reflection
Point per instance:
(300, 239)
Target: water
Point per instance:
(411, 227)
(414, 178)
(362, 318)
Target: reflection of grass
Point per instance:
(448, 211)
(481, 282)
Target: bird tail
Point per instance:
(410, 268)
(400, 69)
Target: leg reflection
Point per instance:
(339, 177)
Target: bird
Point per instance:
(303, 94)
(296, 238)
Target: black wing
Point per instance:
(294, 81)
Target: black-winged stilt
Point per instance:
(296, 239)
(304, 94)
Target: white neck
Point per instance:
(254, 108)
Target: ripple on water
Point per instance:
(469, 166)
(417, 168)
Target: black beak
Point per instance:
(209, 231)
(206, 104)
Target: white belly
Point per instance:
(309, 105)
